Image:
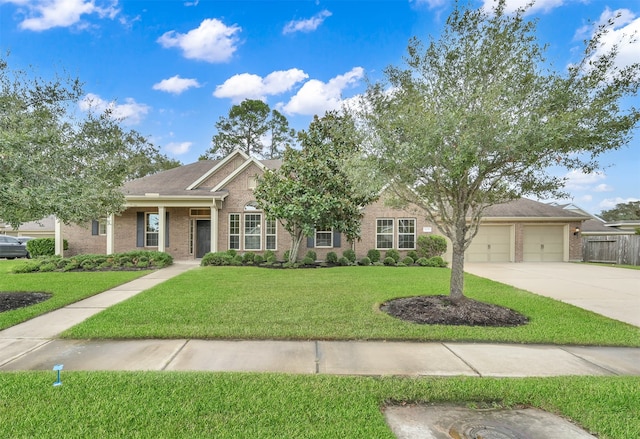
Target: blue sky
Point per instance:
(170, 69)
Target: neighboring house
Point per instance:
(209, 206)
(45, 228)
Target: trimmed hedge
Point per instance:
(44, 247)
(134, 260)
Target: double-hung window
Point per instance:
(270, 234)
(252, 231)
(234, 231)
(384, 233)
(152, 229)
(406, 234)
(324, 238)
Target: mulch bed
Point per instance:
(15, 300)
(440, 310)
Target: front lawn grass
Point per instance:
(66, 288)
(335, 304)
(232, 405)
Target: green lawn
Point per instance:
(335, 303)
(194, 404)
(65, 288)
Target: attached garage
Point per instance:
(491, 244)
(543, 243)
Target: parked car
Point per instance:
(11, 248)
(24, 239)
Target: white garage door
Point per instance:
(543, 244)
(491, 244)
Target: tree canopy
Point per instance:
(622, 211)
(477, 117)
(311, 190)
(54, 161)
(252, 127)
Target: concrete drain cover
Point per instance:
(457, 422)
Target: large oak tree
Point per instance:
(477, 117)
(55, 160)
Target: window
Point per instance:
(234, 231)
(252, 182)
(102, 226)
(152, 228)
(406, 234)
(324, 238)
(270, 234)
(384, 233)
(252, 231)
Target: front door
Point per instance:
(203, 237)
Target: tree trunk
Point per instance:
(456, 288)
(295, 246)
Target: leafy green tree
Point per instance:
(477, 117)
(282, 136)
(622, 211)
(53, 161)
(144, 158)
(311, 190)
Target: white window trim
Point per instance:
(147, 233)
(392, 234)
(415, 224)
(315, 238)
(275, 235)
(239, 234)
(245, 235)
(102, 227)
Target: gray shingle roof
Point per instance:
(525, 208)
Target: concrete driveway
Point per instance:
(610, 291)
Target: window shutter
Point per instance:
(94, 227)
(310, 241)
(336, 238)
(166, 229)
(140, 230)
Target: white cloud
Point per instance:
(623, 32)
(179, 148)
(47, 14)
(512, 5)
(249, 86)
(308, 25)
(603, 188)
(431, 4)
(212, 41)
(130, 113)
(578, 180)
(609, 203)
(317, 97)
(176, 84)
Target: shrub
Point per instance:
(44, 247)
(28, 267)
(389, 261)
(437, 261)
(272, 259)
(374, 255)
(231, 252)
(258, 259)
(311, 255)
(332, 258)
(394, 254)
(423, 262)
(350, 255)
(236, 260)
(268, 254)
(412, 254)
(343, 261)
(217, 258)
(407, 260)
(308, 261)
(286, 255)
(248, 257)
(365, 261)
(47, 266)
(429, 246)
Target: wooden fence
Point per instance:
(612, 249)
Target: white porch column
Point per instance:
(162, 227)
(59, 239)
(214, 227)
(111, 240)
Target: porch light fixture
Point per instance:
(576, 232)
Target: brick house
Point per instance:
(209, 206)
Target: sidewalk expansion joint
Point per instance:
(174, 355)
(599, 366)
(317, 359)
(27, 352)
(476, 371)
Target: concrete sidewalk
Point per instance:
(32, 346)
